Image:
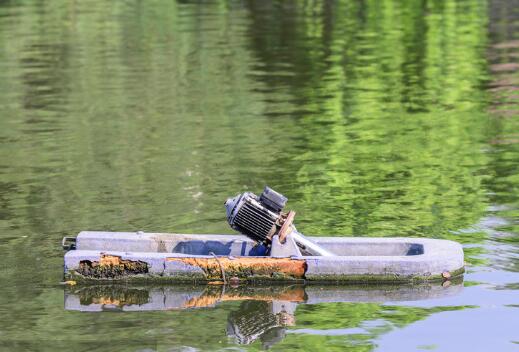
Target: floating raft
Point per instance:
(160, 257)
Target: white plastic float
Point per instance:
(163, 257)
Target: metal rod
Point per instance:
(309, 246)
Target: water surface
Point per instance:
(375, 118)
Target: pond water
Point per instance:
(375, 118)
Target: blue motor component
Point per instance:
(256, 217)
(259, 250)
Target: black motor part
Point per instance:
(256, 217)
(273, 200)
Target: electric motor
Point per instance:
(257, 217)
(261, 218)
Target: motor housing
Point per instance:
(257, 217)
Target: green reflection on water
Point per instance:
(372, 117)
(274, 317)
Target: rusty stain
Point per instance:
(111, 266)
(202, 301)
(113, 295)
(107, 259)
(216, 283)
(210, 299)
(107, 301)
(246, 267)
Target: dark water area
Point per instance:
(375, 118)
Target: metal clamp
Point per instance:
(283, 232)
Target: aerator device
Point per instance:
(261, 218)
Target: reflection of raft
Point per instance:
(178, 297)
(260, 312)
(149, 257)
